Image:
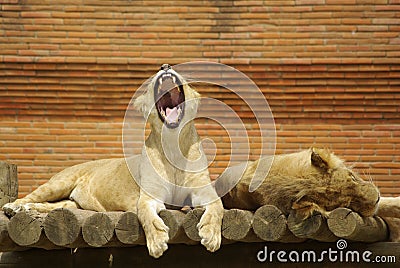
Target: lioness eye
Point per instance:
(353, 177)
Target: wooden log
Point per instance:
(128, 229)
(394, 228)
(63, 226)
(6, 243)
(345, 223)
(237, 226)
(8, 183)
(270, 224)
(174, 220)
(98, 228)
(192, 218)
(314, 227)
(26, 229)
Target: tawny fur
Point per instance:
(309, 181)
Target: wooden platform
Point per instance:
(82, 238)
(76, 228)
(79, 238)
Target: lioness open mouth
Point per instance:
(169, 98)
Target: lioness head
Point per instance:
(337, 186)
(328, 184)
(168, 99)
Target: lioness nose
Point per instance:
(165, 67)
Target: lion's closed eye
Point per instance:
(354, 177)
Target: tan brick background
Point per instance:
(329, 69)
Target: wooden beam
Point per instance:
(26, 229)
(128, 229)
(7, 244)
(346, 223)
(237, 226)
(270, 224)
(74, 228)
(63, 226)
(314, 227)
(192, 218)
(98, 228)
(394, 228)
(174, 220)
(8, 183)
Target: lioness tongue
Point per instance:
(172, 114)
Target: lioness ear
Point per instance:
(318, 159)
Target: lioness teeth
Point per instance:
(162, 112)
(166, 75)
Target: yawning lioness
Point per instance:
(172, 169)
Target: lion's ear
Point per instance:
(320, 159)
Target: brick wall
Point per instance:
(328, 68)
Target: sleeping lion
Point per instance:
(308, 182)
(169, 105)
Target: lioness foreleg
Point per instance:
(12, 208)
(210, 223)
(154, 227)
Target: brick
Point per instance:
(40, 14)
(310, 2)
(9, 1)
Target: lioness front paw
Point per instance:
(210, 237)
(210, 233)
(157, 239)
(10, 209)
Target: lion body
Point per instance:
(100, 185)
(308, 181)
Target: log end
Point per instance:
(192, 218)
(343, 222)
(98, 229)
(25, 228)
(269, 223)
(128, 229)
(236, 224)
(174, 220)
(62, 226)
(303, 227)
